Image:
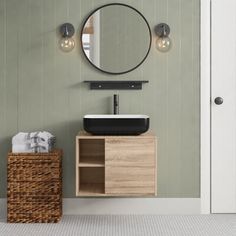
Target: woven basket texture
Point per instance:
(34, 187)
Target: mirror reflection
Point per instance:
(116, 38)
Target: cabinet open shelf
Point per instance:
(90, 167)
(91, 181)
(91, 153)
(94, 189)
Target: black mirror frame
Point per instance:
(119, 4)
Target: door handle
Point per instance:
(219, 101)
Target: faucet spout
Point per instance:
(116, 104)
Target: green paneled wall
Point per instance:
(41, 87)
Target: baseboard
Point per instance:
(124, 206)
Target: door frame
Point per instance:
(205, 63)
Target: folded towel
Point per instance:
(45, 136)
(21, 138)
(33, 142)
(42, 136)
(40, 144)
(41, 148)
(22, 148)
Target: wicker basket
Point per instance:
(34, 187)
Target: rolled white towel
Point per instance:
(40, 144)
(22, 148)
(21, 138)
(41, 148)
(45, 136)
(36, 137)
(34, 134)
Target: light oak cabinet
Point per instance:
(115, 165)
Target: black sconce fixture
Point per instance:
(163, 42)
(67, 43)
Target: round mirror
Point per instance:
(116, 38)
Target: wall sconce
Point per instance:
(163, 42)
(67, 43)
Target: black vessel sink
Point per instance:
(116, 124)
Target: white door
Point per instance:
(223, 136)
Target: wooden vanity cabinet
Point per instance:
(115, 165)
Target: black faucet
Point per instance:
(116, 104)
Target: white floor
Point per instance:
(129, 225)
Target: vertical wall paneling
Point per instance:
(3, 86)
(42, 87)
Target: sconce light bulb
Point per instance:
(163, 44)
(66, 44)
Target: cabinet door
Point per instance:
(130, 166)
